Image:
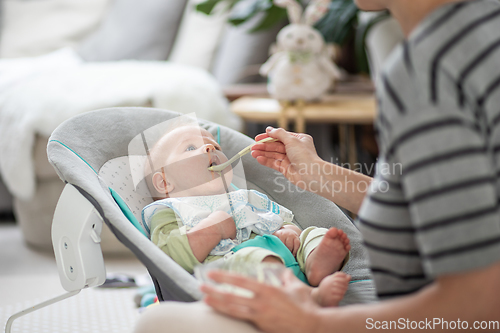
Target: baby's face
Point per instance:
(187, 152)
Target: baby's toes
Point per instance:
(346, 278)
(333, 232)
(342, 275)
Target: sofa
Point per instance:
(113, 31)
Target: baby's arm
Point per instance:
(209, 232)
(166, 234)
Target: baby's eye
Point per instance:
(191, 148)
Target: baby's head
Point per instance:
(179, 162)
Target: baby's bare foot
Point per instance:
(331, 290)
(327, 257)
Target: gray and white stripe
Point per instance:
(439, 120)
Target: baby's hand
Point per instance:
(290, 238)
(225, 224)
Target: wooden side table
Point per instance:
(344, 110)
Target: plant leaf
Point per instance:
(273, 16)
(246, 9)
(339, 23)
(243, 11)
(207, 6)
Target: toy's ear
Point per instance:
(315, 11)
(293, 8)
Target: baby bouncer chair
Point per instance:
(90, 154)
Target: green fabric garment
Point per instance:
(274, 244)
(166, 234)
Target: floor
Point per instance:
(28, 277)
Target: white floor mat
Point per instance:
(92, 310)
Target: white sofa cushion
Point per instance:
(141, 30)
(198, 37)
(32, 28)
(241, 52)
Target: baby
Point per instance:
(235, 225)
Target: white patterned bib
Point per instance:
(251, 211)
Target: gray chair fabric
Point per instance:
(142, 30)
(80, 146)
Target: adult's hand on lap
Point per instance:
(288, 308)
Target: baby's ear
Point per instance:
(161, 184)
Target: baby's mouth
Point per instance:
(214, 160)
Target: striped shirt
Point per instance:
(433, 206)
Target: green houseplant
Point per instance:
(338, 26)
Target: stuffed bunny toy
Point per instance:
(300, 68)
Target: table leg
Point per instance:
(347, 143)
(343, 143)
(353, 153)
(283, 120)
(300, 122)
(245, 127)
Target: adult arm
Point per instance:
(467, 297)
(454, 212)
(295, 156)
(471, 298)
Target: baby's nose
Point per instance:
(209, 148)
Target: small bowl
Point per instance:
(267, 273)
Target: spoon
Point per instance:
(244, 151)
